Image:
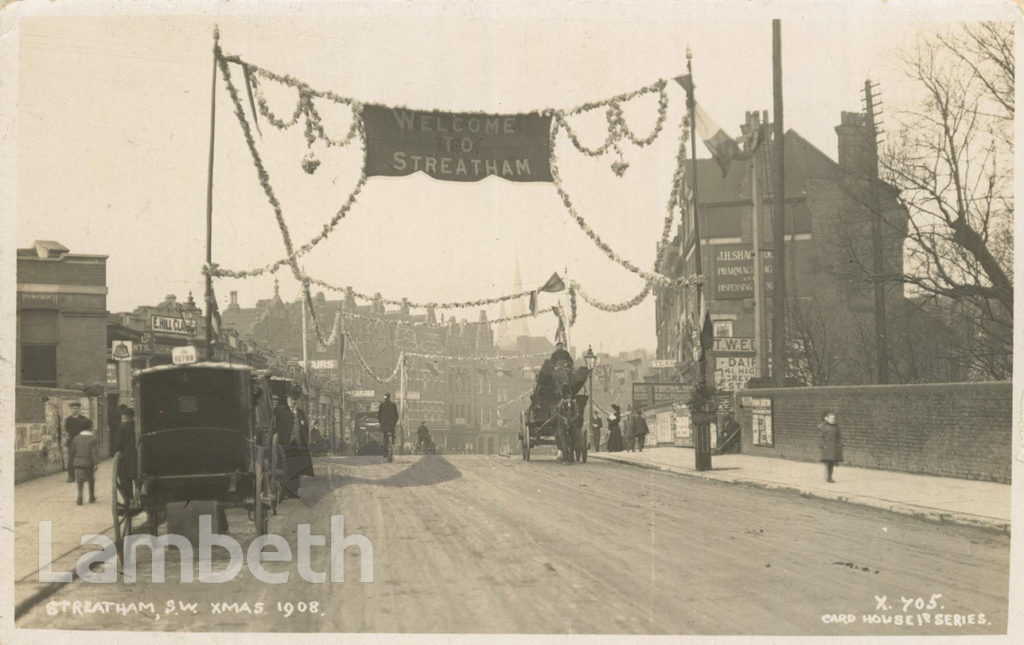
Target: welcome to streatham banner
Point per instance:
(457, 147)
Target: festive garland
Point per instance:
(366, 367)
(418, 305)
(617, 129)
(496, 321)
(451, 357)
(613, 308)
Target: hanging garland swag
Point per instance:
(492, 125)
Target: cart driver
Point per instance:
(561, 355)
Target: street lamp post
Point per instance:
(591, 360)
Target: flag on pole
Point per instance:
(707, 333)
(723, 147)
(554, 284)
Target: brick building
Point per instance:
(830, 305)
(460, 401)
(61, 350)
(61, 317)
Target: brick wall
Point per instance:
(959, 430)
(82, 350)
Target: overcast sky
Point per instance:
(113, 120)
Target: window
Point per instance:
(38, 331)
(39, 365)
(723, 328)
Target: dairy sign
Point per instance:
(733, 372)
(457, 147)
(172, 325)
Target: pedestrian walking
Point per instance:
(831, 444)
(595, 432)
(387, 416)
(614, 431)
(84, 457)
(73, 425)
(284, 427)
(637, 429)
(301, 438)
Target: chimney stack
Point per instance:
(854, 144)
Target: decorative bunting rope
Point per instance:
(612, 308)
(366, 367)
(314, 130)
(437, 325)
(451, 357)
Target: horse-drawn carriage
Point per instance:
(203, 435)
(555, 416)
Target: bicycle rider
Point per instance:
(387, 415)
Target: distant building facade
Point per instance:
(830, 304)
(467, 405)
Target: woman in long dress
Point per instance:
(614, 430)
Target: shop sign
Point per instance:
(112, 376)
(412, 396)
(362, 394)
(733, 372)
(733, 267)
(121, 350)
(172, 325)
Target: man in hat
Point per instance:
(73, 425)
(560, 354)
(387, 415)
(637, 429)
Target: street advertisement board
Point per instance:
(760, 419)
(648, 394)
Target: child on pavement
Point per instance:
(85, 455)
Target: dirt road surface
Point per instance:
(486, 544)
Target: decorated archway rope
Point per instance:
(541, 125)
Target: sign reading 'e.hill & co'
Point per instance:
(172, 325)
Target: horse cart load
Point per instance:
(555, 416)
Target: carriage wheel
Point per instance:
(120, 504)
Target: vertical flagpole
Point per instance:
(691, 104)
(779, 208)
(209, 199)
(702, 436)
(341, 375)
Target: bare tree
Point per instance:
(951, 160)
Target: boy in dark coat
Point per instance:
(85, 455)
(72, 426)
(831, 444)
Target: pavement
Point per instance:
(52, 499)
(946, 499)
